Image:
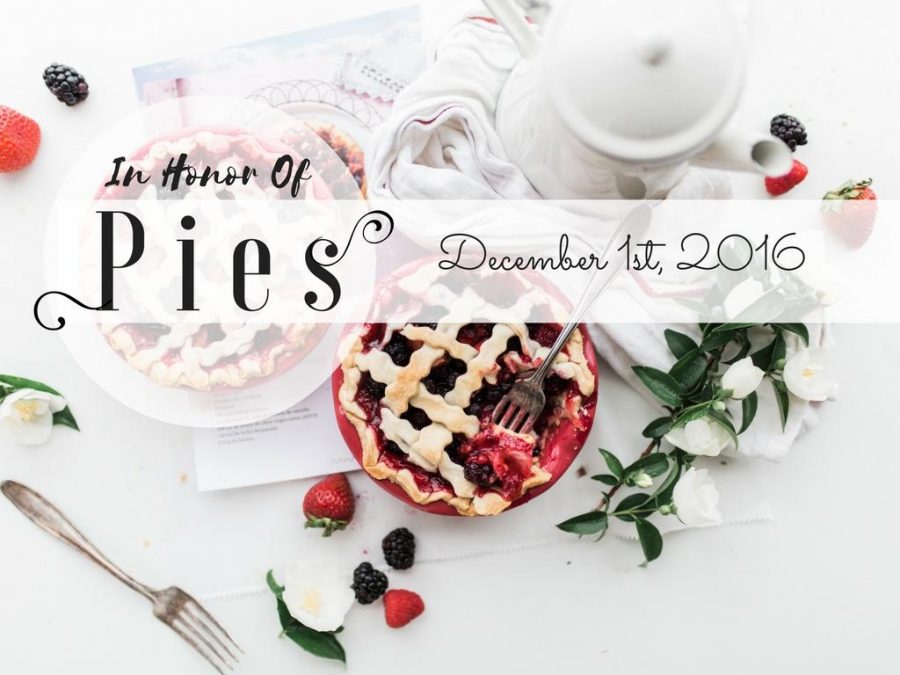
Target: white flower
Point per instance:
(704, 437)
(27, 414)
(808, 375)
(742, 379)
(742, 296)
(317, 594)
(697, 499)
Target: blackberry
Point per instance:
(66, 84)
(417, 417)
(399, 548)
(368, 583)
(790, 130)
(479, 472)
(398, 348)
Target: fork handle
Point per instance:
(49, 518)
(635, 223)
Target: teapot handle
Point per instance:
(509, 15)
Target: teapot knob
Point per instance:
(654, 45)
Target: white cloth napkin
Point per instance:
(440, 143)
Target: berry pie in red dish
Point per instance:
(414, 403)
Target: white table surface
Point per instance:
(814, 591)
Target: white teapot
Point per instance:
(621, 96)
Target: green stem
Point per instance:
(633, 512)
(612, 493)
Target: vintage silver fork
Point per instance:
(521, 407)
(175, 608)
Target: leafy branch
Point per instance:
(691, 390)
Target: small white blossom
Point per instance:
(27, 415)
(696, 499)
(318, 595)
(808, 375)
(643, 480)
(704, 437)
(742, 378)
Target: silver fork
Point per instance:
(521, 407)
(175, 608)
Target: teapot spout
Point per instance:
(753, 153)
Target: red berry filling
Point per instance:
(509, 456)
(494, 459)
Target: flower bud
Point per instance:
(643, 480)
(742, 379)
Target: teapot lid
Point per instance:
(649, 81)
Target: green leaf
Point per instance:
(690, 371)
(63, 418)
(663, 494)
(662, 385)
(730, 327)
(607, 479)
(613, 463)
(725, 423)
(653, 465)
(766, 358)
(273, 585)
(743, 351)
(658, 427)
(284, 615)
(779, 351)
(762, 358)
(716, 340)
(798, 329)
(592, 522)
(694, 413)
(651, 539)
(680, 344)
(748, 411)
(783, 400)
(635, 502)
(324, 645)
(24, 383)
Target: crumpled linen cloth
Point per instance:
(440, 143)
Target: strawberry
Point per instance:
(20, 137)
(783, 184)
(329, 504)
(852, 223)
(401, 607)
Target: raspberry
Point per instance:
(20, 137)
(66, 84)
(368, 583)
(399, 548)
(784, 184)
(401, 607)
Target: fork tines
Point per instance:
(520, 408)
(198, 628)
